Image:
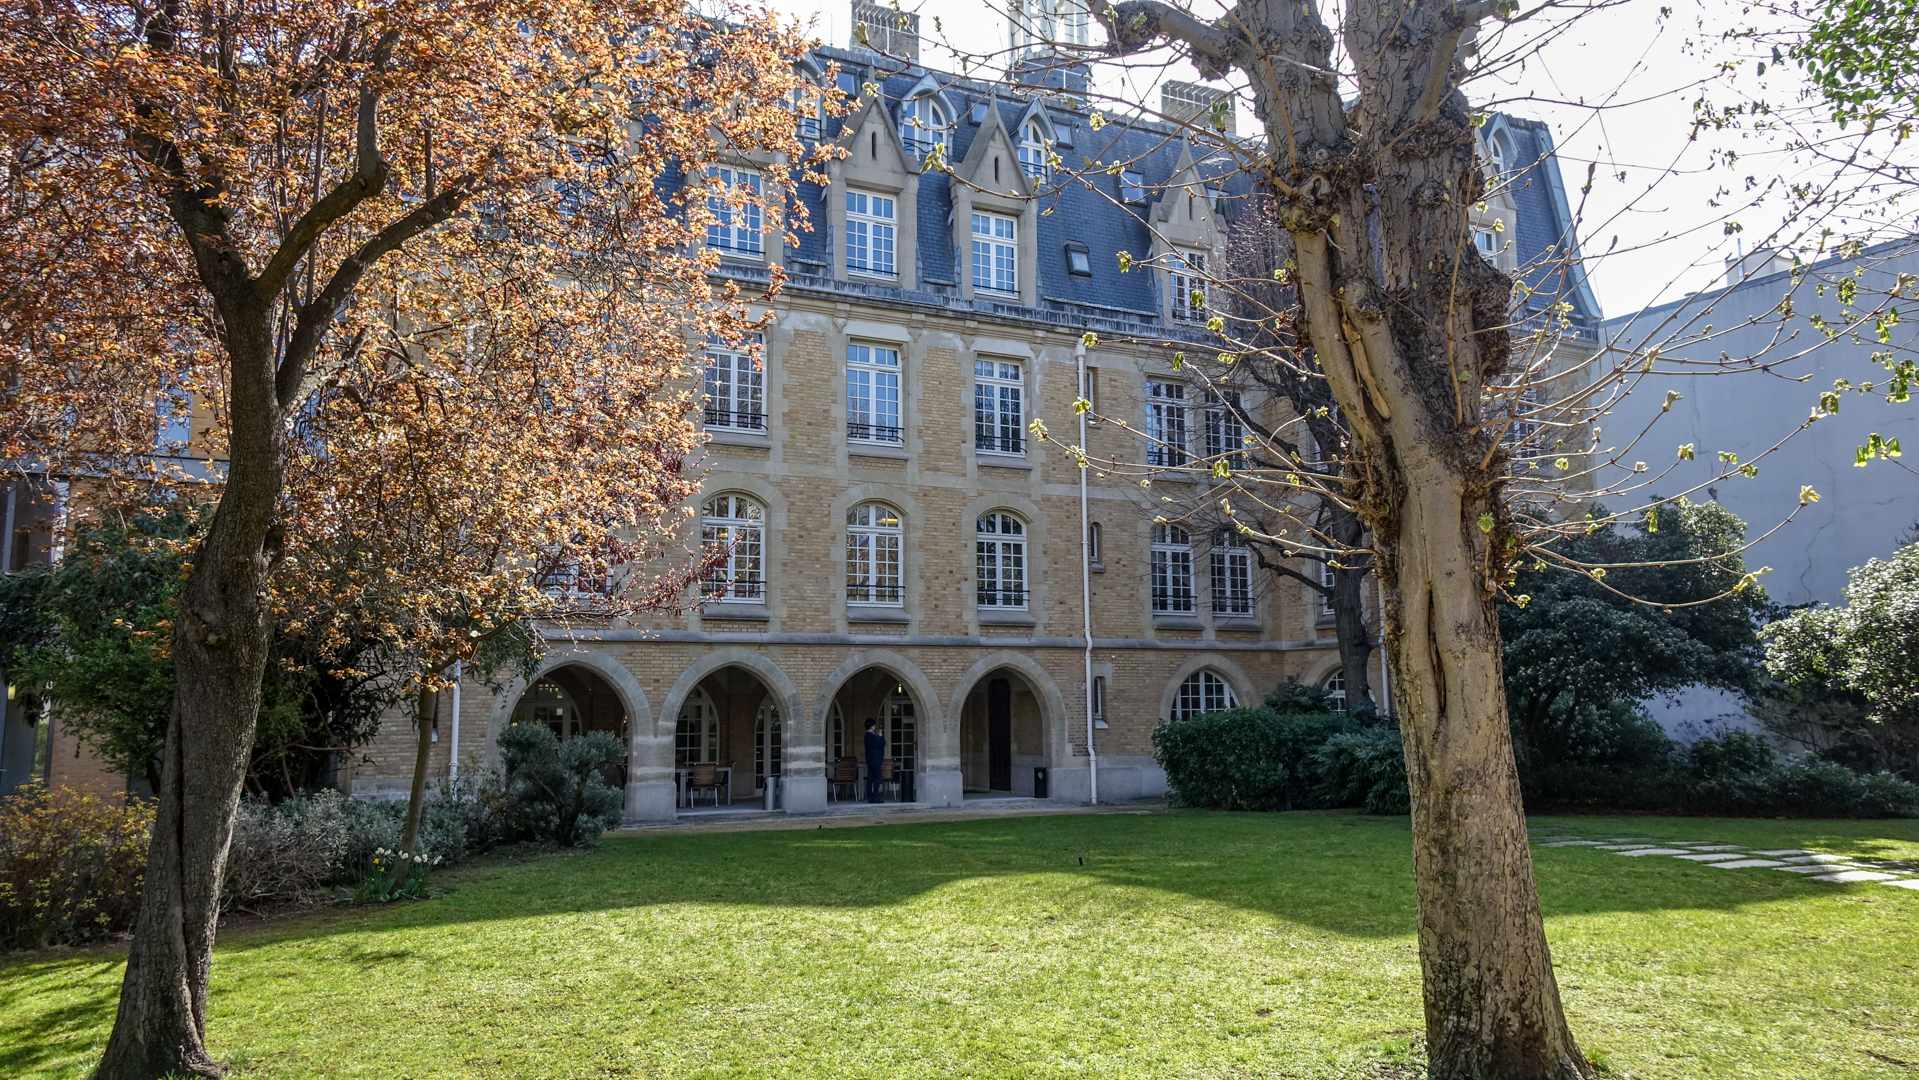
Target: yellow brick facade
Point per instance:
(811, 656)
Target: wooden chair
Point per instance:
(706, 775)
(889, 778)
(846, 779)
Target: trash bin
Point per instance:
(906, 786)
(1039, 783)
(772, 793)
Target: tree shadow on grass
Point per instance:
(1344, 874)
(87, 984)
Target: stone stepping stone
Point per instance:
(1908, 883)
(1636, 852)
(1855, 875)
(1820, 859)
(1741, 864)
(1574, 843)
(1785, 851)
(1633, 840)
(1815, 868)
(1717, 856)
(1627, 847)
(1713, 847)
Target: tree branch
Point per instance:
(368, 180)
(316, 315)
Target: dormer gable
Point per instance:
(872, 143)
(1184, 213)
(992, 162)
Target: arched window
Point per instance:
(1336, 686)
(924, 124)
(901, 729)
(1203, 692)
(1172, 570)
(697, 736)
(1032, 149)
(873, 554)
(999, 556)
(766, 744)
(732, 531)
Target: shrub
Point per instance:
(1246, 759)
(285, 849)
(71, 865)
(553, 788)
(1365, 768)
(373, 826)
(1741, 773)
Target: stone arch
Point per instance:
(785, 694)
(1235, 678)
(1053, 708)
(640, 751)
(1321, 670)
(938, 748)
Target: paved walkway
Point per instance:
(893, 814)
(1812, 865)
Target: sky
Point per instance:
(1616, 85)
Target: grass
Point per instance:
(1184, 945)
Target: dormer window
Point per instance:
(995, 253)
(807, 106)
(1132, 187)
(925, 124)
(1079, 261)
(1487, 241)
(1188, 280)
(1032, 150)
(737, 221)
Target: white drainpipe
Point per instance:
(453, 771)
(1086, 574)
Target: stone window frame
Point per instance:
(728, 414)
(755, 526)
(868, 222)
(876, 533)
(1007, 247)
(875, 430)
(1199, 692)
(1000, 380)
(999, 543)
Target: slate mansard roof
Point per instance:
(1100, 219)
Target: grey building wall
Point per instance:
(1862, 512)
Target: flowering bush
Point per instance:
(71, 864)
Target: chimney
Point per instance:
(1758, 263)
(887, 32)
(1182, 102)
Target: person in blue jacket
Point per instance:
(875, 754)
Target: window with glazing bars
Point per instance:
(1165, 423)
(731, 532)
(995, 253)
(869, 233)
(997, 406)
(1188, 273)
(734, 228)
(872, 393)
(873, 554)
(1232, 576)
(1172, 570)
(1032, 151)
(1203, 692)
(1000, 559)
(1225, 431)
(735, 387)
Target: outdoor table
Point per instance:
(682, 775)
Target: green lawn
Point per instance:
(1185, 945)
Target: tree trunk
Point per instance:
(220, 654)
(427, 711)
(1408, 325)
(1349, 615)
(1492, 1003)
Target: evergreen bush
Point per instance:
(1247, 759)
